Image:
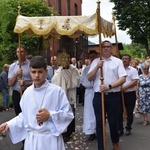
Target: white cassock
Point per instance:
(48, 135)
(69, 80)
(89, 122)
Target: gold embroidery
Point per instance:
(66, 25)
(41, 23)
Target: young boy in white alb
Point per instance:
(45, 115)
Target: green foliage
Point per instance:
(9, 39)
(135, 51)
(133, 15)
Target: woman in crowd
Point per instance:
(135, 64)
(143, 90)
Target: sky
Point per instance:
(89, 7)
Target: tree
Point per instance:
(134, 50)
(134, 16)
(9, 39)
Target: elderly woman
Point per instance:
(134, 63)
(144, 92)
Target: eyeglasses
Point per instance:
(106, 46)
(145, 68)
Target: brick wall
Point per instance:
(64, 8)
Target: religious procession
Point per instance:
(60, 91)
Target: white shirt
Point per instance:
(113, 69)
(25, 73)
(132, 74)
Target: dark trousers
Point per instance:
(80, 93)
(71, 127)
(120, 115)
(129, 100)
(16, 101)
(111, 108)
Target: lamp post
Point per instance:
(76, 48)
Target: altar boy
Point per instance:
(45, 115)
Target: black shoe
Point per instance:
(128, 132)
(121, 133)
(3, 135)
(66, 138)
(92, 137)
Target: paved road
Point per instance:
(138, 140)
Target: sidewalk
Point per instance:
(138, 140)
(5, 143)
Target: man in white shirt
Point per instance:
(114, 76)
(128, 90)
(19, 78)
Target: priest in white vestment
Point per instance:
(68, 78)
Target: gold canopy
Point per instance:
(56, 26)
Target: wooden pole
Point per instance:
(124, 108)
(19, 45)
(101, 76)
(20, 60)
(117, 48)
(53, 56)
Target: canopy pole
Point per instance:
(101, 75)
(53, 55)
(19, 46)
(20, 60)
(117, 48)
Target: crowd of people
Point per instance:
(45, 97)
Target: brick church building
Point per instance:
(74, 47)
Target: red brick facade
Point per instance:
(66, 7)
(75, 47)
(115, 52)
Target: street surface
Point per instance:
(138, 140)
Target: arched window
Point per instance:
(59, 6)
(76, 9)
(68, 8)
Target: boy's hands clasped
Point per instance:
(42, 115)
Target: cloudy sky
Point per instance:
(89, 7)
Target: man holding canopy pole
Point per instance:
(114, 76)
(19, 78)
